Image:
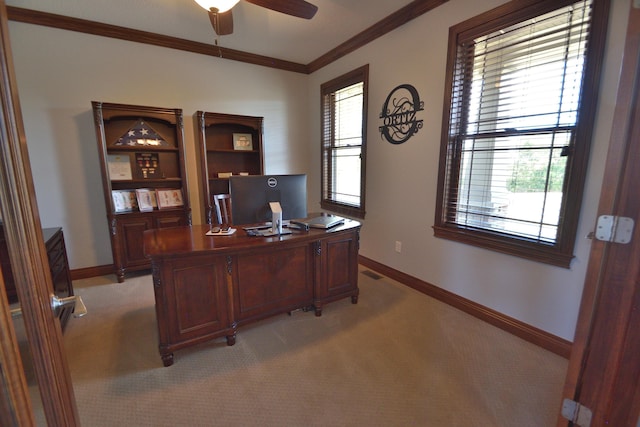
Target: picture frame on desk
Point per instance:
(169, 198)
(242, 141)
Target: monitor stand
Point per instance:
(276, 221)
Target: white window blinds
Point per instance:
(514, 110)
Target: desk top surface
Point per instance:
(162, 242)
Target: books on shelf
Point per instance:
(118, 201)
(124, 200)
(230, 174)
(146, 199)
(169, 198)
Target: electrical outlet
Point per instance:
(398, 246)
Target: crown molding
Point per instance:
(29, 16)
(397, 19)
(402, 16)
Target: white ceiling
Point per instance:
(256, 30)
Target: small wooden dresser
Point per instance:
(58, 264)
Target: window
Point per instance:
(522, 87)
(344, 137)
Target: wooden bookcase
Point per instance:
(143, 173)
(225, 149)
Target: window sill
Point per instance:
(342, 209)
(533, 251)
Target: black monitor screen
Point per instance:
(250, 197)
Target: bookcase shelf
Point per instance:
(228, 143)
(142, 158)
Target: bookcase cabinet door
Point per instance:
(130, 232)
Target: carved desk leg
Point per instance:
(120, 274)
(167, 358)
(165, 354)
(231, 339)
(354, 297)
(318, 252)
(116, 255)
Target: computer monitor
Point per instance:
(250, 197)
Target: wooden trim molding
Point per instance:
(380, 28)
(520, 329)
(29, 16)
(88, 272)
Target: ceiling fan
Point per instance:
(222, 19)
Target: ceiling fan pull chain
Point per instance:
(215, 42)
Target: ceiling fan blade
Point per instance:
(222, 22)
(299, 8)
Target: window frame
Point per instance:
(359, 75)
(559, 253)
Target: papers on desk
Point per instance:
(220, 232)
(267, 232)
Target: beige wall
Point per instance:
(60, 73)
(402, 179)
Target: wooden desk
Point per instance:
(205, 286)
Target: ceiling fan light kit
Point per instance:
(222, 18)
(219, 6)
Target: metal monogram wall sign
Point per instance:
(399, 114)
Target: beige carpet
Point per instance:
(397, 358)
